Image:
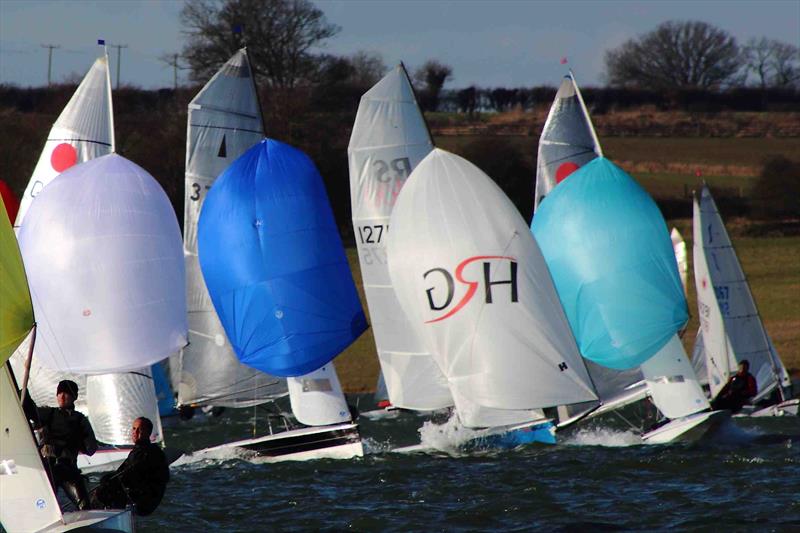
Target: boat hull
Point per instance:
(687, 428)
(787, 408)
(342, 441)
(510, 437)
(106, 521)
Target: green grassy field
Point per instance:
(771, 265)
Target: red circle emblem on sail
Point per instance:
(63, 157)
(564, 170)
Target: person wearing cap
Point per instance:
(141, 479)
(64, 433)
(739, 389)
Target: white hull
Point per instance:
(106, 521)
(104, 460)
(787, 408)
(689, 427)
(341, 441)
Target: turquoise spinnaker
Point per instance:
(274, 263)
(610, 255)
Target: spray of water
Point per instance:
(447, 437)
(603, 437)
(214, 456)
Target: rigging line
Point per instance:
(135, 373)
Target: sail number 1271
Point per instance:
(372, 234)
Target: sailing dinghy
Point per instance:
(84, 131)
(730, 326)
(224, 121)
(27, 500)
(477, 291)
(568, 142)
(278, 277)
(390, 137)
(612, 261)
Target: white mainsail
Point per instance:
(102, 251)
(389, 139)
(477, 289)
(317, 398)
(729, 322)
(27, 502)
(568, 139)
(224, 120)
(84, 130)
(679, 245)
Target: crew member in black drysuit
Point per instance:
(740, 388)
(64, 433)
(141, 479)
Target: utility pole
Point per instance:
(119, 48)
(50, 48)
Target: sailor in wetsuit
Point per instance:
(141, 479)
(740, 388)
(64, 433)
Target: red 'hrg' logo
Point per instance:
(472, 286)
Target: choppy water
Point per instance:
(748, 478)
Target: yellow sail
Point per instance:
(16, 311)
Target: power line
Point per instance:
(119, 48)
(50, 48)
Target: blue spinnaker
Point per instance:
(274, 263)
(610, 255)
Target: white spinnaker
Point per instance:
(116, 400)
(27, 502)
(672, 382)
(679, 246)
(389, 139)
(84, 130)
(568, 139)
(505, 344)
(102, 253)
(722, 288)
(224, 120)
(317, 398)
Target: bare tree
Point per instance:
(430, 78)
(785, 64)
(676, 55)
(774, 63)
(368, 68)
(280, 36)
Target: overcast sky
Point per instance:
(499, 43)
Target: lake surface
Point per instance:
(746, 478)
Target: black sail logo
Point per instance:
(439, 303)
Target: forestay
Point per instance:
(389, 139)
(623, 306)
(274, 263)
(103, 255)
(477, 290)
(224, 120)
(729, 322)
(568, 140)
(83, 131)
(317, 398)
